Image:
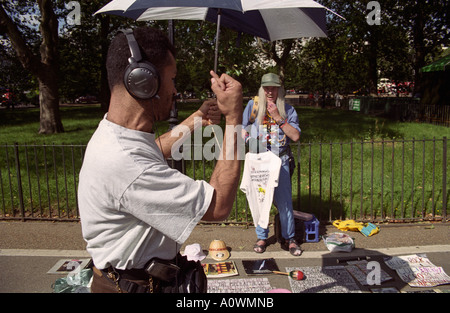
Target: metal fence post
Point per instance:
(19, 181)
(444, 179)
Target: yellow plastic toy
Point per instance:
(367, 229)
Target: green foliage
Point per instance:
(351, 58)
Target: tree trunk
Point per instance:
(280, 61)
(373, 62)
(50, 118)
(419, 47)
(46, 68)
(105, 93)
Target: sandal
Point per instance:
(294, 248)
(258, 248)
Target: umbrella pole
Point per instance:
(216, 58)
(216, 52)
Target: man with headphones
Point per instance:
(134, 208)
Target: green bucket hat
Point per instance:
(270, 79)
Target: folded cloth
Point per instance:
(194, 252)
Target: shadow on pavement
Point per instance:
(361, 270)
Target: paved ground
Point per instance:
(29, 249)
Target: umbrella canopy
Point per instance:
(440, 65)
(270, 20)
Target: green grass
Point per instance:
(317, 125)
(380, 179)
(344, 126)
(390, 170)
(22, 125)
(351, 165)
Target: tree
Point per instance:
(427, 25)
(83, 50)
(341, 61)
(357, 53)
(278, 51)
(45, 67)
(15, 77)
(195, 43)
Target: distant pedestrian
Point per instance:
(316, 99)
(310, 99)
(337, 99)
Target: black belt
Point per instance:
(126, 280)
(133, 274)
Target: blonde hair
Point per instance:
(262, 104)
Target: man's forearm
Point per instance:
(291, 132)
(167, 140)
(225, 177)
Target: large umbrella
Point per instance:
(268, 19)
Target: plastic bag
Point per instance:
(339, 242)
(74, 282)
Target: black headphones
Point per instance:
(141, 78)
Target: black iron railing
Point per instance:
(386, 180)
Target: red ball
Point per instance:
(298, 275)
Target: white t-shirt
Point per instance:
(260, 177)
(133, 206)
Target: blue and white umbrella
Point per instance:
(268, 19)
